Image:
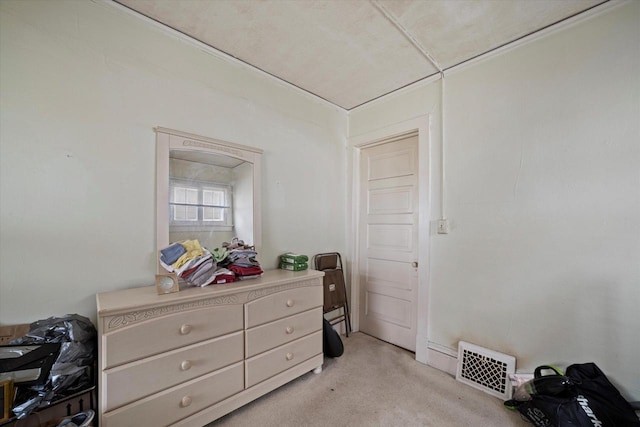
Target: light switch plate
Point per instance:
(443, 226)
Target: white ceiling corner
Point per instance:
(350, 52)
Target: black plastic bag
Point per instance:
(332, 344)
(73, 368)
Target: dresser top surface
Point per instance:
(113, 302)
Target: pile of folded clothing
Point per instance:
(241, 259)
(198, 266)
(194, 264)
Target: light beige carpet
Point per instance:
(374, 384)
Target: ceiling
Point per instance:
(349, 52)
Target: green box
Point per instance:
(294, 267)
(291, 258)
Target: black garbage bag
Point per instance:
(332, 344)
(73, 369)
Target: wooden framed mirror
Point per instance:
(206, 189)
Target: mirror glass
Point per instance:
(207, 189)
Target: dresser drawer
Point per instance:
(282, 304)
(274, 334)
(169, 332)
(174, 404)
(268, 364)
(144, 377)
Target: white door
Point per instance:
(388, 230)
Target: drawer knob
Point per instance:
(185, 329)
(289, 356)
(289, 330)
(185, 401)
(185, 365)
(289, 303)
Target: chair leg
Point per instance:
(347, 317)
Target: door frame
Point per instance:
(419, 125)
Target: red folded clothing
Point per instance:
(224, 278)
(245, 271)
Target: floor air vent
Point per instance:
(485, 369)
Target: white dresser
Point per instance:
(188, 358)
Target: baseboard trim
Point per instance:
(442, 358)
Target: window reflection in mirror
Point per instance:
(207, 190)
(204, 190)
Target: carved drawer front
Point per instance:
(274, 334)
(144, 377)
(169, 332)
(282, 304)
(266, 365)
(174, 404)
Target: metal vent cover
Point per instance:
(485, 369)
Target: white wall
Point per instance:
(542, 186)
(83, 84)
(542, 191)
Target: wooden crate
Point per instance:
(11, 332)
